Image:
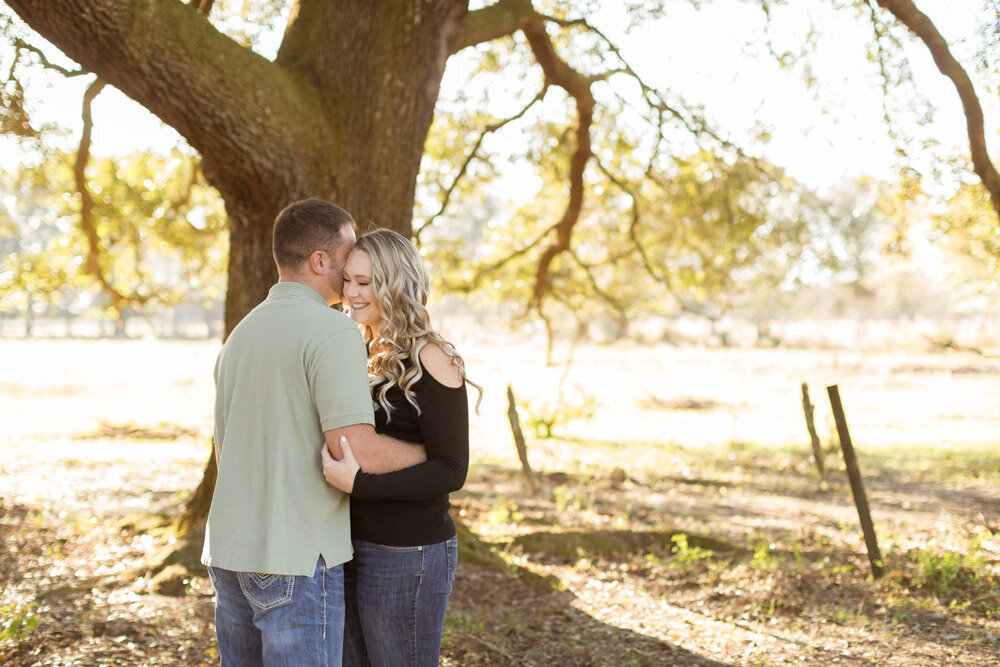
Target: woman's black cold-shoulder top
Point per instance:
(410, 507)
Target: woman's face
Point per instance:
(359, 294)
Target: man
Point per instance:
(291, 375)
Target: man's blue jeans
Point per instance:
(396, 599)
(267, 619)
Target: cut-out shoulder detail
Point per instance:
(439, 365)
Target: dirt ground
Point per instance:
(682, 524)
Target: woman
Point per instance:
(405, 548)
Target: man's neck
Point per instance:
(314, 284)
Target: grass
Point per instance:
(816, 567)
(962, 579)
(657, 531)
(945, 463)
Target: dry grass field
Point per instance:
(678, 518)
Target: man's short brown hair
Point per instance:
(306, 226)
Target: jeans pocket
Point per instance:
(212, 576)
(386, 547)
(267, 591)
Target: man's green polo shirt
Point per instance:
(290, 370)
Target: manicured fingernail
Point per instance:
(343, 439)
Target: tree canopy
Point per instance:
(348, 109)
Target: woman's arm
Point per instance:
(444, 430)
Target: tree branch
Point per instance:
(172, 61)
(203, 7)
(87, 223)
(494, 21)
(881, 35)
(600, 292)
(182, 201)
(485, 271)
(558, 72)
(13, 114)
(507, 16)
(693, 123)
(664, 278)
(920, 25)
(493, 127)
(20, 44)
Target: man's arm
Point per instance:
(375, 453)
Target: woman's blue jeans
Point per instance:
(395, 600)
(268, 619)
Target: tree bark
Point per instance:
(196, 510)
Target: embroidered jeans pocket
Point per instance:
(267, 591)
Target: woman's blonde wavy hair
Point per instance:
(401, 285)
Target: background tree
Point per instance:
(972, 245)
(153, 238)
(690, 240)
(38, 266)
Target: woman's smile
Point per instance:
(358, 289)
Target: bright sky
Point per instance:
(820, 135)
(703, 56)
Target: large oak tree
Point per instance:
(343, 110)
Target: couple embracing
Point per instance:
(338, 441)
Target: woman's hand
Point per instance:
(340, 473)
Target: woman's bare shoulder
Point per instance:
(440, 365)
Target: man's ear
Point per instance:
(319, 262)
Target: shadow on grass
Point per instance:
(502, 614)
(852, 600)
(957, 475)
(495, 618)
(86, 609)
(569, 546)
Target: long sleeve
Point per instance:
(444, 431)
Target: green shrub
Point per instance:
(953, 575)
(545, 417)
(17, 621)
(686, 553)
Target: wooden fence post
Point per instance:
(857, 485)
(807, 408)
(515, 429)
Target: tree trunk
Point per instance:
(121, 323)
(196, 510)
(342, 113)
(29, 316)
(251, 268)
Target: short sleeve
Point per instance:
(338, 379)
